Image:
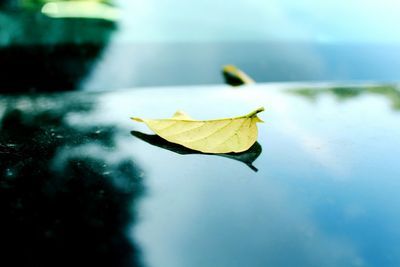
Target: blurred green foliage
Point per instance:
(39, 3)
(390, 92)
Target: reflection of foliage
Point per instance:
(38, 53)
(61, 208)
(31, 28)
(38, 2)
(247, 157)
(392, 93)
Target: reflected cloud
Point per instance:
(247, 157)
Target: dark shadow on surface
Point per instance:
(247, 157)
(60, 204)
(390, 92)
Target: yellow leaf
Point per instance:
(209, 136)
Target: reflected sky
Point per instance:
(326, 193)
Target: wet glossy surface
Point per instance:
(77, 186)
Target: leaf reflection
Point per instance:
(247, 157)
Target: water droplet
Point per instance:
(9, 173)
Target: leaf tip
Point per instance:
(260, 110)
(255, 112)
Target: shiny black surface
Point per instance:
(77, 187)
(62, 205)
